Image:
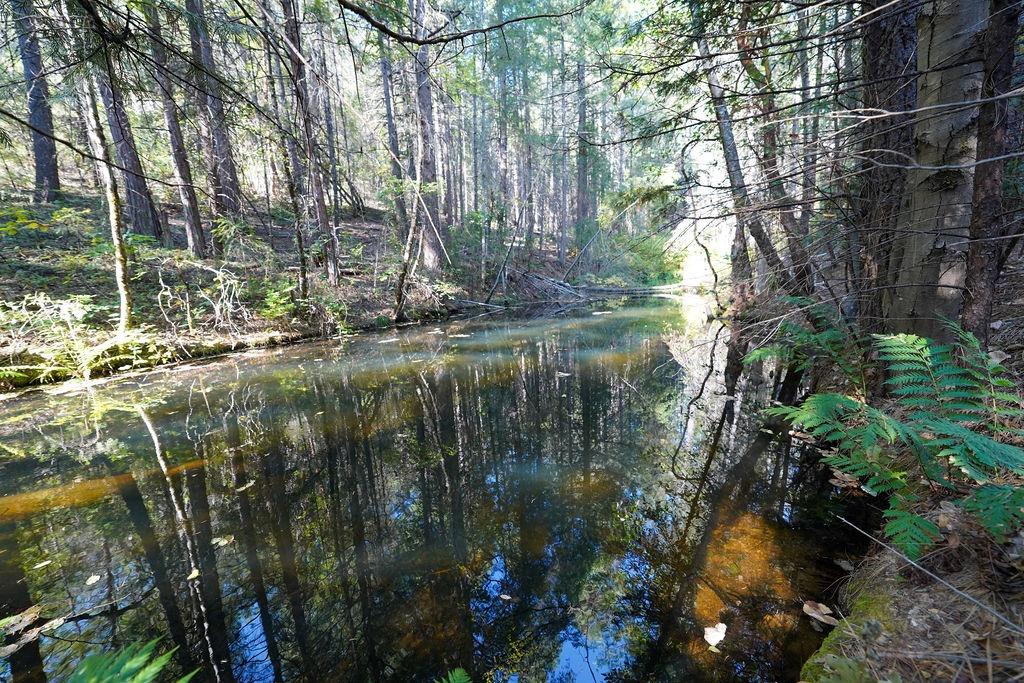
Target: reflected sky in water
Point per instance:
(545, 499)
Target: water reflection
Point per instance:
(553, 499)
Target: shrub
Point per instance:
(54, 339)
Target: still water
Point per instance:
(553, 498)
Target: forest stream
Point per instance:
(557, 497)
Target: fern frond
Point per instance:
(1000, 509)
(911, 533)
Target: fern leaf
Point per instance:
(1000, 509)
(911, 533)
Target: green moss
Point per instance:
(870, 615)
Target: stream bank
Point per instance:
(954, 615)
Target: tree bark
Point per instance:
(306, 114)
(142, 214)
(227, 191)
(583, 214)
(432, 248)
(928, 262)
(293, 169)
(44, 149)
(888, 42)
(98, 142)
(987, 224)
(394, 152)
(179, 153)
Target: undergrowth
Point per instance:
(950, 426)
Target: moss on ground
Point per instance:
(870, 616)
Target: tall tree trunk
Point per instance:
(768, 158)
(179, 153)
(887, 52)
(142, 214)
(582, 154)
(293, 169)
(98, 144)
(227, 191)
(928, 262)
(746, 222)
(432, 248)
(987, 223)
(394, 152)
(306, 115)
(44, 149)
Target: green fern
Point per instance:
(1000, 508)
(912, 533)
(133, 664)
(455, 676)
(803, 346)
(954, 406)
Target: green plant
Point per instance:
(277, 300)
(55, 339)
(15, 219)
(455, 676)
(952, 411)
(133, 664)
(830, 340)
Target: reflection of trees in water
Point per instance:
(26, 664)
(396, 525)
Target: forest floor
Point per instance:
(59, 303)
(907, 622)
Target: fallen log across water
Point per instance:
(549, 286)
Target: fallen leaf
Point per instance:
(714, 634)
(996, 324)
(40, 565)
(223, 540)
(563, 374)
(821, 612)
(843, 480)
(245, 486)
(998, 356)
(844, 565)
(92, 579)
(193, 575)
(505, 596)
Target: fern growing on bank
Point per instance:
(955, 410)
